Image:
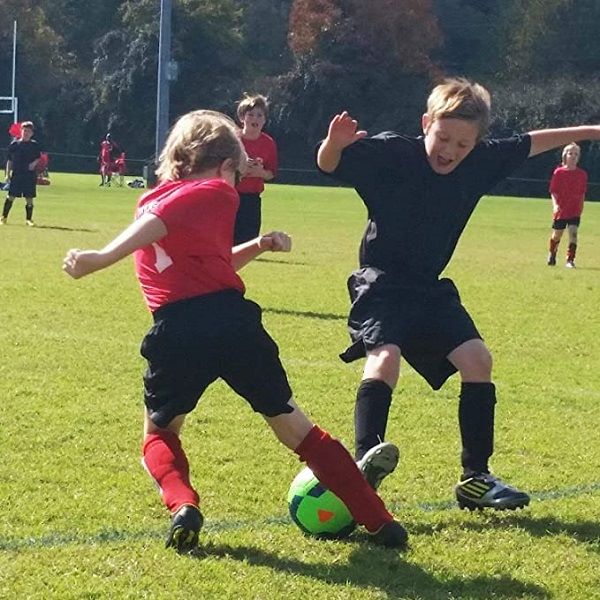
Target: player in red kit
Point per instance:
(205, 329)
(252, 113)
(105, 160)
(567, 189)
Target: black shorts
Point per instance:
(194, 342)
(23, 184)
(562, 223)
(247, 219)
(426, 321)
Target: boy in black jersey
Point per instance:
(23, 157)
(420, 193)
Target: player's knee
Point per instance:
(384, 363)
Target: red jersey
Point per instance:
(194, 258)
(263, 147)
(105, 152)
(568, 186)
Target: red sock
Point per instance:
(167, 464)
(334, 468)
(571, 252)
(553, 246)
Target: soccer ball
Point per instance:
(316, 510)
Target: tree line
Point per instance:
(86, 67)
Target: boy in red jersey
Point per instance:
(204, 328)
(567, 189)
(420, 193)
(252, 113)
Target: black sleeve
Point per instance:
(493, 160)
(364, 159)
(11, 151)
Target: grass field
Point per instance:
(79, 518)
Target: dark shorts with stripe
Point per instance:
(196, 341)
(23, 184)
(426, 321)
(562, 223)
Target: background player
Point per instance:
(567, 190)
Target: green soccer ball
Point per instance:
(316, 510)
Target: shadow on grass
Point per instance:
(308, 314)
(59, 228)
(385, 570)
(281, 262)
(586, 532)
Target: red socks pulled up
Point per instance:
(167, 464)
(335, 469)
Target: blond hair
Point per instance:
(250, 102)
(459, 98)
(568, 147)
(199, 140)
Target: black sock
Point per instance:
(7, 206)
(476, 422)
(373, 400)
(28, 212)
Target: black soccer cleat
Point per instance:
(390, 535)
(551, 260)
(483, 490)
(186, 524)
(378, 463)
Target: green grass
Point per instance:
(79, 518)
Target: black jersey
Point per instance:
(416, 216)
(21, 153)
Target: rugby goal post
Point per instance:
(9, 105)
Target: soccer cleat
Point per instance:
(551, 259)
(570, 264)
(2, 220)
(483, 490)
(378, 463)
(186, 524)
(30, 223)
(390, 535)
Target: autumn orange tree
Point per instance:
(397, 33)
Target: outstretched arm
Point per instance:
(343, 131)
(142, 232)
(276, 241)
(547, 139)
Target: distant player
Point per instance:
(420, 193)
(252, 113)
(23, 158)
(204, 328)
(105, 160)
(119, 167)
(568, 187)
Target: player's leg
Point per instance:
(178, 372)
(248, 219)
(476, 415)
(29, 211)
(572, 229)
(334, 467)
(254, 371)
(7, 206)
(376, 458)
(558, 229)
(166, 462)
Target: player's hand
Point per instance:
(78, 263)
(343, 131)
(275, 241)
